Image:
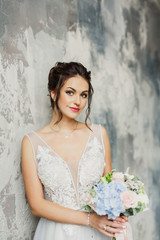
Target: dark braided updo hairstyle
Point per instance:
(57, 77)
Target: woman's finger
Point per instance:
(120, 219)
(114, 230)
(116, 224)
(125, 218)
(108, 234)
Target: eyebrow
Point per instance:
(75, 90)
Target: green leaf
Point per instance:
(142, 189)
(134, 211)
(135, 179)
(92, 192)
(128, 212)
(87, 208)
(125, 177)
(108, 176)
(138, 210)
(103, 179)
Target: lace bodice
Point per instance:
(67, 183)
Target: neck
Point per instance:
(65, 123)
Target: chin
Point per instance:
(71, 116)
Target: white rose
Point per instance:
(143, 198)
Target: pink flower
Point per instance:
(118, 176)
(129, 199)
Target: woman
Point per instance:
(61, 161)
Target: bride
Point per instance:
(61, 161)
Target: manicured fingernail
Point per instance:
(121, 231)
(124, 226)
(123, 220)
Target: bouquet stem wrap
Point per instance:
(126, 235)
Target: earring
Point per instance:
(53, 99)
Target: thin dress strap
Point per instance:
(35, 142)
(97, 133)
(102, 142)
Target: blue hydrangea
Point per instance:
(108, 200)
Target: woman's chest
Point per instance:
(69, 150)
(55, 172)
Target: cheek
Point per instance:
(63, 99)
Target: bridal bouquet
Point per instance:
(117, 194)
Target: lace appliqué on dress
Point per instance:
(55, 177)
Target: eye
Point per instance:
(70, 93)
(84, 95)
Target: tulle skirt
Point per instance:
(49, 230)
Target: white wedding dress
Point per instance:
(67, 184)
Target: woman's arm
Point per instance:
(107, 148)
(52, 211)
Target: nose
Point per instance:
(77, 100)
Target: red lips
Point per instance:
(74, 109)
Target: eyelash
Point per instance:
(70, 93)
(84, 94)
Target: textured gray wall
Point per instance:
(120, 42)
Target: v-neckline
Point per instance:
(57, 153)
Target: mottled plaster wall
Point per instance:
(120, 42)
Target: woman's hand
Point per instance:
(125, 218)
(107, 226)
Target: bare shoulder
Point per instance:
(26, 153)
(26, 148)
(104, 132)
(25, 141)
(26, 138)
